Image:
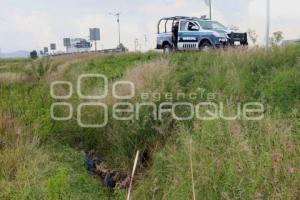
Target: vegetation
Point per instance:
(238, 159)
(33, 54)
(277, 37)
(252, 35)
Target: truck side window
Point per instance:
(183, 25)
(192, 27)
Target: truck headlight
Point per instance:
(216, 34)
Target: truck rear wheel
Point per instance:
(167, 49)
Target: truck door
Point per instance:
(188, 35)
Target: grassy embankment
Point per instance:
(231, 159)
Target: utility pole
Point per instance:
(268, 25)
(146, 41)
(208, 3)
(136, 44)
(119, 26)
(210, 14)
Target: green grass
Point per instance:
(49, 172)
(231, 159)
(13, 65)
(239, 159)
(32, 169)
(39, 163)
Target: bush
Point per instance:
(33, 54)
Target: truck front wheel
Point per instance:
(205, 46)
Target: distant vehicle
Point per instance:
(192, 33)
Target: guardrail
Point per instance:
(117, 50)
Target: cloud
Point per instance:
(26, 30)
(2, 19)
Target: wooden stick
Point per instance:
(132, 175)
(192, 171)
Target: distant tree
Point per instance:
(252, 35)
(34, 54)
(277, 37)
(121, 46)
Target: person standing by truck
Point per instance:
(175, 29)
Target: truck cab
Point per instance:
(235, 36)
(191, 35)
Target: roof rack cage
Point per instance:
(178, 17)
(172, 19)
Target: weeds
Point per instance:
(231, 160)
(58, 187)
(39, 69)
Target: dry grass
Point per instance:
(61, 68)
(4, 66)
(9, 77)
(149, 77)
(64, 62)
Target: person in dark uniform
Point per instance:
(175, 29)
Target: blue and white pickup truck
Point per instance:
(190, 33)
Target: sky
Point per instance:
(34, 24)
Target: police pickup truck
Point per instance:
(191, 33)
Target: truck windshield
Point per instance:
(211, 25)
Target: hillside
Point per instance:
(42, 158)
(16, 54)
